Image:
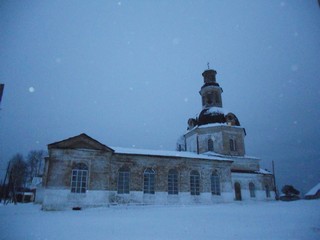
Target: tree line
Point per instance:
(20, 173)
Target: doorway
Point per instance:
(237, 190)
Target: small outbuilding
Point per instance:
(314, 192)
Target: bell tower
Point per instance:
(214, 129)
(210, 91)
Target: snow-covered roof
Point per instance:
(164, 153)
(214, 154)
(263, 171)
(217, 110)
(313, 190)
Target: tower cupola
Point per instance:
(209, 76)
(210, 91)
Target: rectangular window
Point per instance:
(215, 184)
(194, 183)
(173, 182)
(79, 181)
(148, 181)
(233, 145)
(123, 182)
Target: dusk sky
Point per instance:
(128, 74)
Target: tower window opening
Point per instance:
(216, 97)
(233, 145)
(210, 145)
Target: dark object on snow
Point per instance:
(76, 208)
(1, 90)
(289, 198)
(290, 193)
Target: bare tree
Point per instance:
(17, 176)
(35, 161)
(18, 171)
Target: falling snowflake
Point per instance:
(294, 67)
(31, 89)
(176, 41)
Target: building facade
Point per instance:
(210, 166)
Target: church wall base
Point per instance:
(57, 199)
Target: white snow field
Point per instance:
(239, 220)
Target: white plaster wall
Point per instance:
(39, 195)
(58, 199)
(257, 179)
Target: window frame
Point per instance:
(79, 178)
(149, 181)
(215, 183)
(194, 183)
(173, 182)
(123, 183)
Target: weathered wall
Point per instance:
(259, 181)
(61, 162)
(197, 139)
(103, 175)
(162, 165)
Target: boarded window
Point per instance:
(173, 182)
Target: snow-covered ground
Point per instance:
(239, 220)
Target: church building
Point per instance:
(210, 166)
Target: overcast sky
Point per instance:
(128, 73)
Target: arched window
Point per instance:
(252, 189)
(194, 183)
(267, 191)
(215, 183)
(173, 182)
(123, 180)
(79, 179)
(210, 145)
(148, 181)
(233, 145)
